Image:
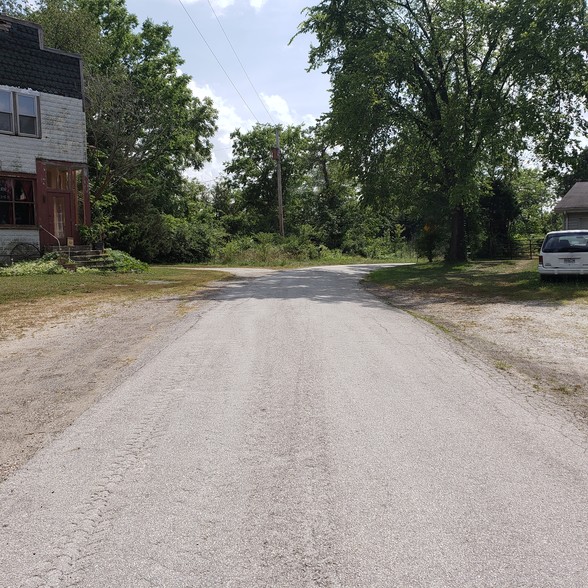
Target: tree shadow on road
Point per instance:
(327, 284)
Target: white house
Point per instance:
(574, 207)
(43, 171)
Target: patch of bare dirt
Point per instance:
(74, 355)
(543, 343)
(59, 358)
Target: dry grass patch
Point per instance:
(28, 302)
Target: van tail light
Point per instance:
(541, 260)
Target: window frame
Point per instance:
(11, 112)
(15, 114)
(35, 100)
(13, 202)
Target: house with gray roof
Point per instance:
(574, 207)
(43, 166)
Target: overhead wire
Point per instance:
(240, 62)
(218, 61)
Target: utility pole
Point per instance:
(278, 158)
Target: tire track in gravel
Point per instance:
(65, 567)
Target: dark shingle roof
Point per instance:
(27, 64)
(575, 199)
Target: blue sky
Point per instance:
(260, 31)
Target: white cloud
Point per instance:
(215, 3)
(257, 4)
(228, 121)
(280, 110)
(220, 5)
(228, 117)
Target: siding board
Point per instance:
(10, 237)
(63, 128)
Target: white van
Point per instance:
(564, 253)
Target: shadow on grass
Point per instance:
(482, 282)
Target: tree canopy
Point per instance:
(434, 105)
(145, 127)
(432, 94)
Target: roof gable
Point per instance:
(27, 64)
(575, 199)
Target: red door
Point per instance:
(60, 217)
(56, 203)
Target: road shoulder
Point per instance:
(540, 343)
(53, 373)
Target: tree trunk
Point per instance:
(457, 244)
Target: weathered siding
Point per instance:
(576, 220)
(10, 237)
(63, 135)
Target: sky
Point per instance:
(260, 33)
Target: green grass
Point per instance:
(289, 263)
(510, 280)
(154, 282)
(157, 280)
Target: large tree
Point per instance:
(145, 127)
(251, 175)
(430, 93)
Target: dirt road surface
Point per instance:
(293, 431)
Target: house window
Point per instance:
(19, 114)
(17, 202)
(28, 119)
(6, 116)
(58, 178)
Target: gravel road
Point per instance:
(298, 432)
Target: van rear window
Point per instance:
(566, 243)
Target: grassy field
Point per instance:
(156, 281)
(511, 280)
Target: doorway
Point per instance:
(63, 205)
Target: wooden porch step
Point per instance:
(66, 249)
(93, 260)
(85, 256)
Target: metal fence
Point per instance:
(525, 248)
(520, 248)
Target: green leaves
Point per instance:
(145, 127)
(459, 83)
(14, 8)
(251, 174)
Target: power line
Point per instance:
(218, 61)
(239, 61)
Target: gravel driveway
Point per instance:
(295, 432)
(543, 344)
(52, 374)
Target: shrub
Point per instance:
(45, 265)
(190, 240)
(125, 263)
(271, 249)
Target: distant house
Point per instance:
(43, 171)
(574, 207)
